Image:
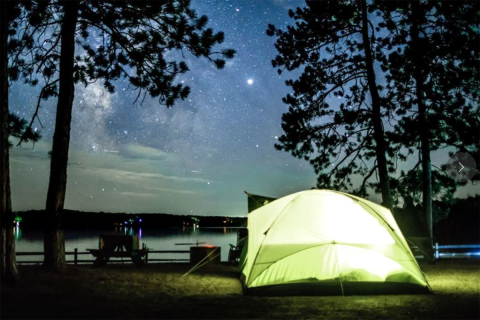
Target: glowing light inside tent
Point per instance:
(324, 235)
(362, 227)
(373, 265)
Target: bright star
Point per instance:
(250, 81)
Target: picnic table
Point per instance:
(118, 246)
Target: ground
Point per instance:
(160, 291)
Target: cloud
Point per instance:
(28, 157)
(124, 176)
(138, 194)
(141, 175)
(147, 152)
(167, 190)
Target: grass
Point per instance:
(158, 291)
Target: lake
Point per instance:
(154, 238)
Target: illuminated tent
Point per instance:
(327, 242)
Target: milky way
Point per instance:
(195, 158)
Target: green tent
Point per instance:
(327, 242)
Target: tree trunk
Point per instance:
(3, 135)
(2, 252)
(9, 272)
(54, 239)
(12, 277)
(417, 57)
(378, 133)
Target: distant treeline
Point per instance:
(460, 222)
(73, 218)
(457, 222)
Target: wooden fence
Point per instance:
(77, 257)
(440, 251)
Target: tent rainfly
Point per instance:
(323, 242)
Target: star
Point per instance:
(223, 127)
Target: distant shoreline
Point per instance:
(74, 218)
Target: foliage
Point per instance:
(409, 191)
(131, 40)
(329, 121)
(450, 60)
(338, 139)
(18, 128)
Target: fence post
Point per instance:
(146, 257)
(437, 254)
(75, 256)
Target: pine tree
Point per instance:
(11, 13)
(434, 81)
(9, 271)
(136, 35)
(335, 44)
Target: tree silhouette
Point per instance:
(19, 128)
(424, 57)
(434, 81)
(11, 14)
(136, 35)
(335, 44)
(9, 271)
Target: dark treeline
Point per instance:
(81, 219)
(458, 225)
(462, 224)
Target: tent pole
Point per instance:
(338, 267)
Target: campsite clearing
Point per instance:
(159, 291)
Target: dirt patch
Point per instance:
(158, 291)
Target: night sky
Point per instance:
(195, 158)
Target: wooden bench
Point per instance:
(118, 246)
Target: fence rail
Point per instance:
(440, 251)
(449, 251)
(77, 253)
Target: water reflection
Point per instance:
(17, 232)
(153, 238)
(129, 231)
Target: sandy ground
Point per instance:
(159, 291)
